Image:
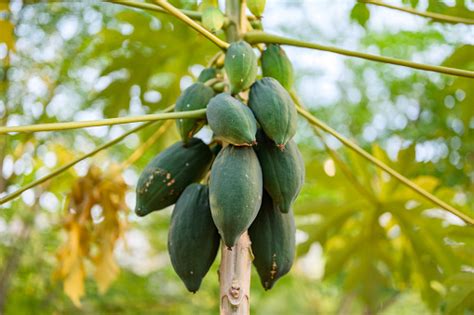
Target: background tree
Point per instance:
(383, 247)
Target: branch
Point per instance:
(431, 15)
(180, 15)
(200, 113)
(262, 37)
(64, 168)
(151, 7)
(314, 121)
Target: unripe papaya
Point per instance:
(256, 7)
(241, 66)
(207, 74)
(194, 97)
(235, 191)
(283, 171)
(231, 120)
(212, 19)
(273, 242)
(274, 110)
(193, 240)
(169, 173)
(276, 64)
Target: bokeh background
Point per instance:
(366, 244)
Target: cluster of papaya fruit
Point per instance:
(256, 169)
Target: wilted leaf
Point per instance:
(86, 230)
(74, 284)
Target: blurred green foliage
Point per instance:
(367, 244)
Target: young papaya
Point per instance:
(276, 64)
(193, 240)
(256, 7)
(169, 173)
(241, 66)
(274, 110)
(235, 191)
(207, 74)
(283, 171)
(213, 19)
(273, 242)
(194, 97)
(231, 120)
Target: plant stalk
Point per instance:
(262, 37)
(314, 121)
(200, 113)
(431, 15)
(196, 26)
(64, 168)
(151, 7)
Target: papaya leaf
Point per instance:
(360, 13)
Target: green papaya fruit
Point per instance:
(207, 74)
(274, 110)
(256, 7)
(196, 96)
(235, 191)
(216, 149)
(193, 240)
(212, 19)
(283, 171)
(241, 66)
(207, 4)
(272, 235)
(169, 173)
(231, 120)
(276, 64)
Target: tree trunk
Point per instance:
(234, 277)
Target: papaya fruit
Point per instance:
(231, 120)
(276, 64)
(193, 240)
(207, 74)
(274, 109)
(241, 66)
(169, 173)
(235, 191)
(283, 171)
(196, 96)
(212, 19)
(273, 242)
(256, 7)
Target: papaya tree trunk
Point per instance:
(235, 277)
(236, 262)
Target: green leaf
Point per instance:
(460, 297)
(360, 13)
